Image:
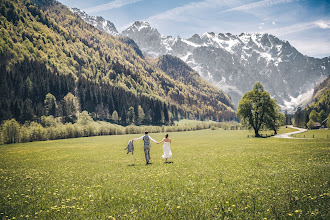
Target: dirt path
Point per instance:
(287, 135)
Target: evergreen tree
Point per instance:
(141, 115)
(322, 115)
(27, 112)
(314, 116)
(130, 115)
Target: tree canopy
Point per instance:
(257, 110)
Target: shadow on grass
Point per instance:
(261, 136)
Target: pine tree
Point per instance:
(130, 115)
(141, 115)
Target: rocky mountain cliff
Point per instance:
(99, 22)
(234, 63)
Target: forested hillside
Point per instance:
(50, 59)
(318, 110)
(200, 88)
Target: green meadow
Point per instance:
(317, 134)
(215, 174)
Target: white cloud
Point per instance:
(324, 24)
(315, 48)
(273, 22)
(110, 5)
(261, 4)
(179, 13)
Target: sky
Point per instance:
(304, 23)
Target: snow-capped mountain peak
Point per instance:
(98, 22)
(233, 62)
(138, 25)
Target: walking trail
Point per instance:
(287, 135)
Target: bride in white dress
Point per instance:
(166, 148)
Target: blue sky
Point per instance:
(304, 23)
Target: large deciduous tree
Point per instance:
(10, 131)
(257, 109)
(275, 119)
(71, 105)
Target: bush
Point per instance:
(10, 131)
(37, 132)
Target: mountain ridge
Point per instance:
(244, 58)
(234, 62)
(105, 74)
(97, 21)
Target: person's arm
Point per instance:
(136, 139)
(161, 141)
(153, 140)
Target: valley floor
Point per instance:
(215, 174)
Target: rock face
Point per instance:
(234, 63)
(98, 22)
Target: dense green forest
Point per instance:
(53, 63)
(318, 110)
(200, 89)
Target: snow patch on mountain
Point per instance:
(302, 100)
(233, 63)
(98, 22)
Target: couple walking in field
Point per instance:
(166, 148)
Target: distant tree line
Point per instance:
(50, 128)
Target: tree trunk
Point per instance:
(256, 133)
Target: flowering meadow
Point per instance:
(215, 174)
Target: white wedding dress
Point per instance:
(167, 150)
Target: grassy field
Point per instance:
(215, 174)
(317, 134)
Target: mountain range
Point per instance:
(234, 63)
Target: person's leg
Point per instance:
(146, 155)
(165, 160)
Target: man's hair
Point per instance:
(146, 132)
